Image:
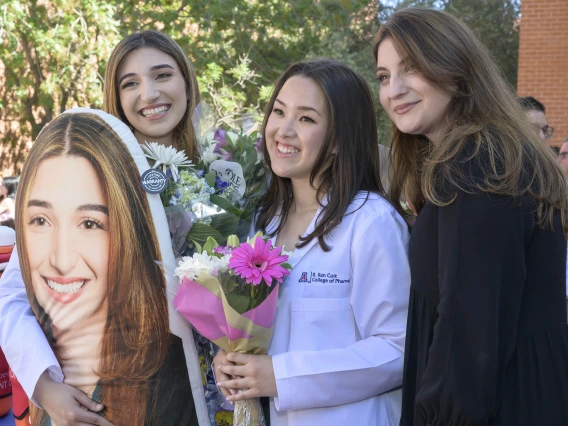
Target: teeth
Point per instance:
(154, 111)
(289, 150)
(66, 288)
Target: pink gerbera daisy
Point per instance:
(259, 263)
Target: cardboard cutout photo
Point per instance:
(90, 258)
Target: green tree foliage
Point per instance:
(53, 52)
(495, 22)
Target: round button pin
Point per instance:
(154, 181)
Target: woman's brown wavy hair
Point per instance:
(483, 110)
(348, 161)
(184, 134)
(136, 338)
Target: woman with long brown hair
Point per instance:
(150, 84)
(88, 251)
(487, 340)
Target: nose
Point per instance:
(287, 128)
(397, 87)
(63, 255)
(149, 92)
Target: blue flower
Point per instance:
(220, 183)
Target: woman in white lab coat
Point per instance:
(337, 352)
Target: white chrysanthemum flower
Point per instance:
(191, 267)
(166, 156)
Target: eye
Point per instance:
(381, 78)
(38, 221)
(306, 119)
(91, 224)
(277, 111)
(128, 84)
(163, 75)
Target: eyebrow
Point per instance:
(403, 61)
(301, 108)
(40, 203)
(93, 208)
(82, 208)
(154, 68)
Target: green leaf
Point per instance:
(226, 224)
(198, 247)
(239, 302)
(210, 178)
(225, 205)
(200, 232)
(210, 244)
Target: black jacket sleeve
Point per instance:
(481, 249)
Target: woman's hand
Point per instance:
(66, 405)
(253, 372)
(219, 360)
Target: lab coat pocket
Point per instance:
(320, 324)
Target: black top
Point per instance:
(174, 405)
(174, 400)
(487, 340)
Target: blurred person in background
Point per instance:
(536, 113)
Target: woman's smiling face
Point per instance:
(414, 105)
(67, 240)
(152, 93)
(296, 128)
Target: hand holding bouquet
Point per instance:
(229, 294)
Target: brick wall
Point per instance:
(543, 60)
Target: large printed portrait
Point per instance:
(90, 260)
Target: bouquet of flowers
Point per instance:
(229, 294)
(233, 157)
(217, 197)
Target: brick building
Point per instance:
(543, 60)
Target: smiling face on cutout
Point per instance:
(67, 241)
(296, 128)
(153, 94)
(414, 105)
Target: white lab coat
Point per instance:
(339, 333)
(22, 339)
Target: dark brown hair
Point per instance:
(184, 133)
(136, 338)
(348, 161)
(483, 110)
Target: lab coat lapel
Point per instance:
(299, 253)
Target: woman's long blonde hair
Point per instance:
(184, 134)
(483, 109)
(136, 338)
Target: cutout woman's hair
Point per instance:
(136, 338)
